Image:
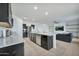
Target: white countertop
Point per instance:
(62, 32)
(48, 34)
(11, 40)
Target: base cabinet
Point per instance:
(64, 37)
(47, 42)
(33, 38)
(42, 40)
(38, 39)
(15, 50)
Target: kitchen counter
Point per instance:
(11, 40)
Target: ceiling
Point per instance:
(46, 12)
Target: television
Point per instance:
(59, 27)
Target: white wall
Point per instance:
(41, 27)
(73, 27)
(17, 26)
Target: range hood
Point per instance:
(6, 15)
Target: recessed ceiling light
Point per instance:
(46, 13)
(25, 18)
(35, 7)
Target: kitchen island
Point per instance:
(12, 46)
(44, 40)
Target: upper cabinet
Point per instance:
(5, 14)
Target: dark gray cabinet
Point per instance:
(64, 37)
(14, 50)
(0, 11)
(47, 42)
(44, 41)
(25, 30)
(4, 12)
